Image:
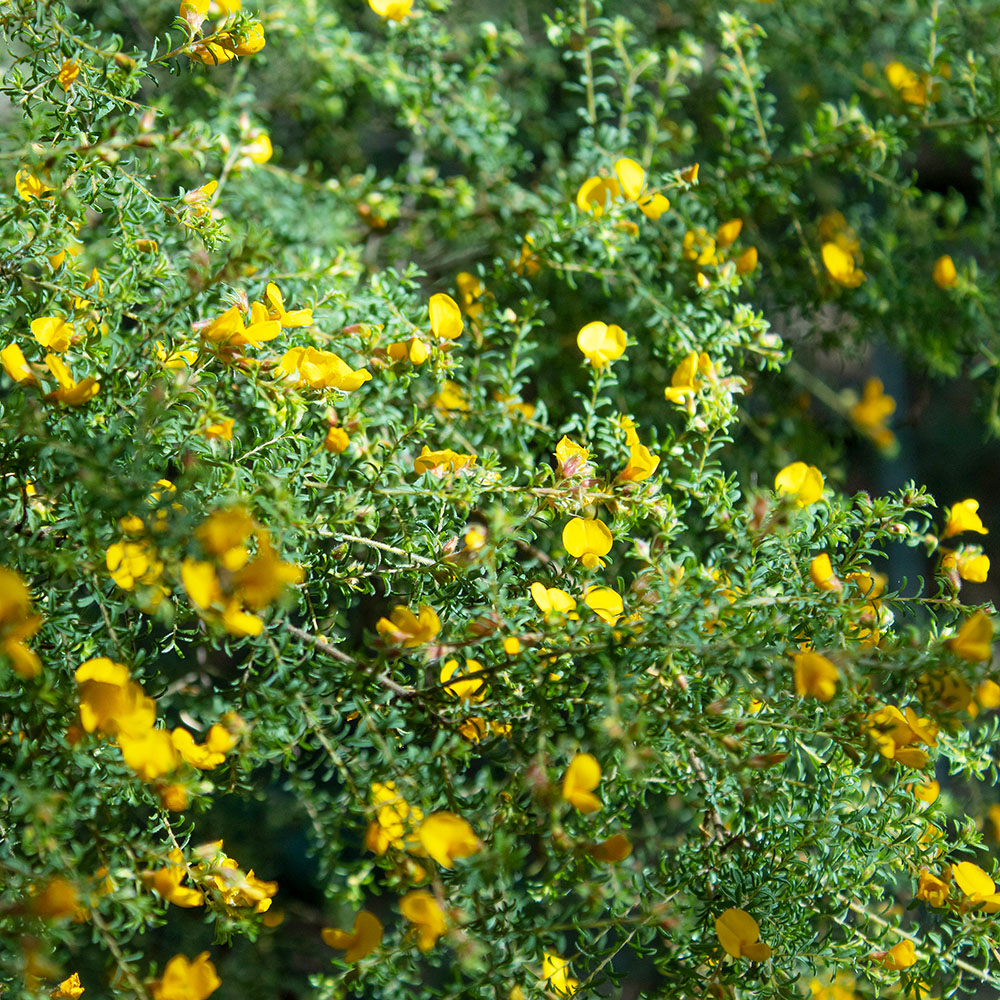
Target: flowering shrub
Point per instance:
(407, 493)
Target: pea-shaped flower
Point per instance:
(365, 937)
(974, 641)
(601, 343)
(445, 837)
(582, 776)
(588, 539)
(804, 483)
(739, 935)
(446, 317)
(815, 676)
(422, 910)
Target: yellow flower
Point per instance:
(944, 274)
(841, 266)
(641, 465)
(571, 457)
(224, 533)
(131, 563)
(451, 397)
(174, 359)
(699, 247)
(587, 539)
(360, 942)
(109, 701)
(969, 562)
(422, 910)
(471, 292)
(261, 581)
(815, 676)
(911, 88)
(974, 641)
(746, 263)
(445, 460)
(802, 482)
(873, 410)
(205, 756)
(29, 187)
(184, 980)
(277, 311)
(900, 956)
(727, 234)
(472, 688)
(605, 603)
(229, 329)
(221, 431)
(53, 332)
(315, 369)
(739, 935)
(555, 975)
(685, 380)
(988, 694)
(963, 516)
(821, 573)
(167, 882)
(582, 776)
(259, 150)
(57, 900)
(927, 792)
(149, 753)
(932, 889)
(445, 837)
(17, 623)
(201, 583)
(174, 797)
(409, 630)
(552, 599)
(616, 848)
(596, 194)
(225, 47)
(446, 317)
(16, 365)
(394, 819)
(392, 10)
(654, 205)
(413, 349)
(68, 989)
(68, 72)
(601, 343)
(336, 440)
(631, 178)
(70, 392)
(894, 733)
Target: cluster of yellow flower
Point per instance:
(230, 581)
(56, 333)
(219, 46)
(977, 888)
(705, 250)
(841, 250)
(115, 706)
(446, 837)
(18, 624)
(217, 877)
(629, 183)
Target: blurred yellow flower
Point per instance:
(582, 776)
(359, 942)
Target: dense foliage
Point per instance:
(426, 563)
